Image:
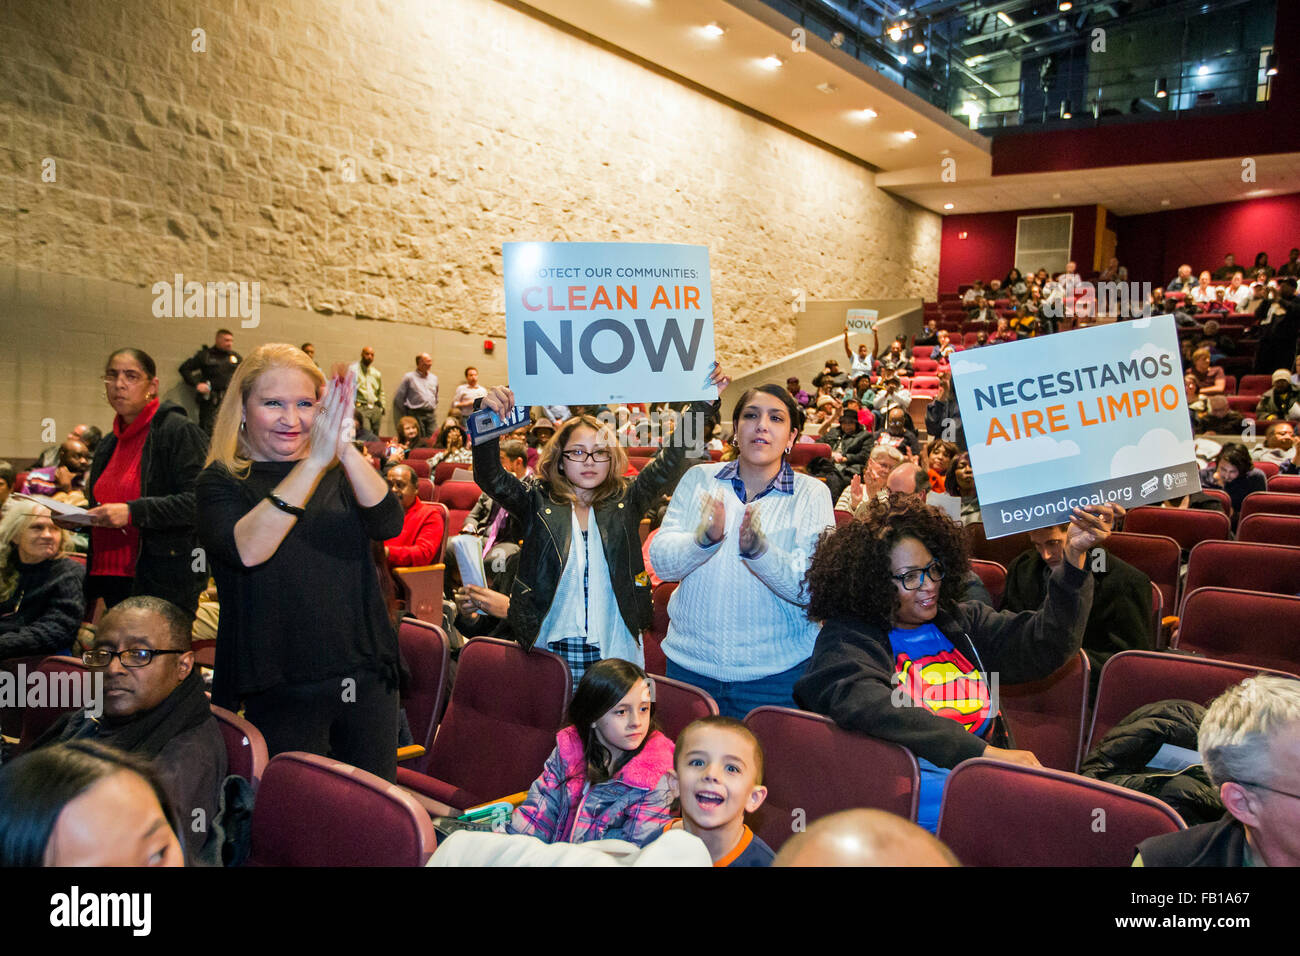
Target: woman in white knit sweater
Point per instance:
(739, 536)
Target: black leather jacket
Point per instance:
(547, 524)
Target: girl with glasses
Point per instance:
(581, 589)
(902, 657)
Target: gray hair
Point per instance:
(1238, 730)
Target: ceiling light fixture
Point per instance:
(1006, 18)
(947, 205)
(1064, 5)
(1202, 70)
(918, 47)
(902, 60)
(895, 33)
(1162, 88)
(867, 113)
(1066, 111)
(1164, 202)
(713, 30)
(1270, 64)
(772, 62)
(909, 134)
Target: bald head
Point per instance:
(908, 478)
(864, 838)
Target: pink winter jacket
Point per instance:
(632, 805)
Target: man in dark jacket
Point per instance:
(942, 416)
(1250, 743)
(1277, 343)
(154, 706)
(850, 444)
(167, 565)
(210, 370)
(1120, 619)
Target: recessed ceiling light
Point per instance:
(826, 87)
(772, 62)
(975, 60)
(902, 60)
(1056, 195)
(1064, 5)
(918, 47)
(947, 205)
(895, 33)
(713, 30)
(1164, 202)
(1006, 18)
(909, 134)
(1202, 70)
(867, 113)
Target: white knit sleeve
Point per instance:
(674, 551)
(783, 570)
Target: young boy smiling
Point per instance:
(718, 778)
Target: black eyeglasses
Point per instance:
(579, 455)
(131, 657)
(1251, 783)
(912, 580)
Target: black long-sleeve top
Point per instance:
(44, 612)
(314, 609)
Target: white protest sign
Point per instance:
(595, 322)
(861, 320)
(1093, 416)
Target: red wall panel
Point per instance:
(989, 248)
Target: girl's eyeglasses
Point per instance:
(579, 455)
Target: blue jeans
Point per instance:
(738, 698)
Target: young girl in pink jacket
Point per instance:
(607, 777)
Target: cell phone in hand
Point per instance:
(485, 423)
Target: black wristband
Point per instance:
(285, 506)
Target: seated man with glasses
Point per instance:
(154, 706)
(1250, 744)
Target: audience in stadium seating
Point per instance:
(1233, 471)
(452, 439)
(872, 484)
(717, 778)
(41, 593)
(155, 707)
(1292, 265)
(943, 415)
(1218, 418)
(1120, 619)
(938, 455)
(863, 362)
(288, 510)
(800, 396)
(1250, 744)
(408, 436)
(420, 540)
(1279, 443)
(85, 804)
(1210, 379)
(141, 492)
(609, 775)
(1227, 269)
(901, 657)
(1282, 401)
(1279, 315)
(8, 476)
(959, 483)
(898, 432)
(864, 838)
(849, 443)
(738, 536)
(1183, 282)
(581, 589)
(87, 434)
(66, 480)
(895, 361)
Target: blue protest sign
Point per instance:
(1092, 416)
(595, 322)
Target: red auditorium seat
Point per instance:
(489, 744)
(446, 469)
(459, 497)
(1243, 403)
(1272, 568)
(1048, 717)
(1268, 502)
(1284, 484)
(426, 651)
(426, 489)
(313, 811)
(1230, 386)
(1132, 679)
(1188, 526)
(678, 704)
(655, 662)
(420, 466)
(421, 454)
(1158, 556)
(38, 719)
(993, 576)
(804, 452)
(925, 366)
(1000, 814)
(1001, 550)
(1269, 468)
(798, 747)
(1250, 627)
(245, 746)
(1221, 496)
(1254, 385)
(1270, 529)
(842, 517)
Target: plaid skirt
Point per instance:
(577, 655)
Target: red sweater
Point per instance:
(421, 537)
(115, 549)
